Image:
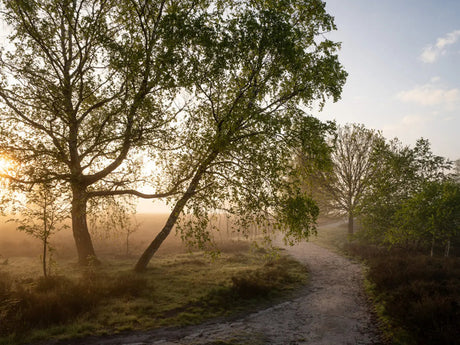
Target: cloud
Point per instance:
(432, 52)
(431, 95)
(411, 120)
(409, 127)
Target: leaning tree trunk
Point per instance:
(147, 255)
(85, 250)
(350, 223)
(156, 243)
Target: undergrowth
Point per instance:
(178, 290)
(416, 296)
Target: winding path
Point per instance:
(331, 310)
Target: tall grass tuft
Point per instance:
(57, 299)
(263, 281)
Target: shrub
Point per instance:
(56, 299)
(261, 282)
(421, 294)
(127, 284)
(5, 284)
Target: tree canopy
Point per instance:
(342, 184)
(85, 85)
(214, 92)
(250, 74)
(411, 201)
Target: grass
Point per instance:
(332, 234)
(178, 289)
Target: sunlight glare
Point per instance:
(7, 166)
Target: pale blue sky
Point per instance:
(404, 73)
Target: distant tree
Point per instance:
(404, 179)
(342, 186)
(114, 218)
(394, 180)
(238, 136)
(429, 216)
(86, 85)
(41, 216)
(457, 171)
(130, 227)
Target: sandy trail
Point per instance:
(331, 310)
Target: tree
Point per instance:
(394, 180)
(251, 69)
(85, 85)
(430, 215)
(114, 217)
(404, 193)
(41, 216)
(342, 186)
(456, 173)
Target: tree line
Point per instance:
(401, 195)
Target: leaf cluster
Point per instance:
(412, 200)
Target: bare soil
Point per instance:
(330, 310)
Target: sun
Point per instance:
(7, 165)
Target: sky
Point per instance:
(403, 60)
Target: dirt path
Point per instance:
(331, 310)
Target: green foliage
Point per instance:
(252, 66)
(341, 185)
(410, 201)
(299, 216)
(432, 214)
(211, 90)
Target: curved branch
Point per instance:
(131, 192)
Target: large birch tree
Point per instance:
(251, 70)
(85, 85)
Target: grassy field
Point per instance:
(415, 297)
(179, 288)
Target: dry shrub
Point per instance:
(57, 299)
(421, 293)
(263, 281)
(128, 284)
(5, 283)
(231, 246)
